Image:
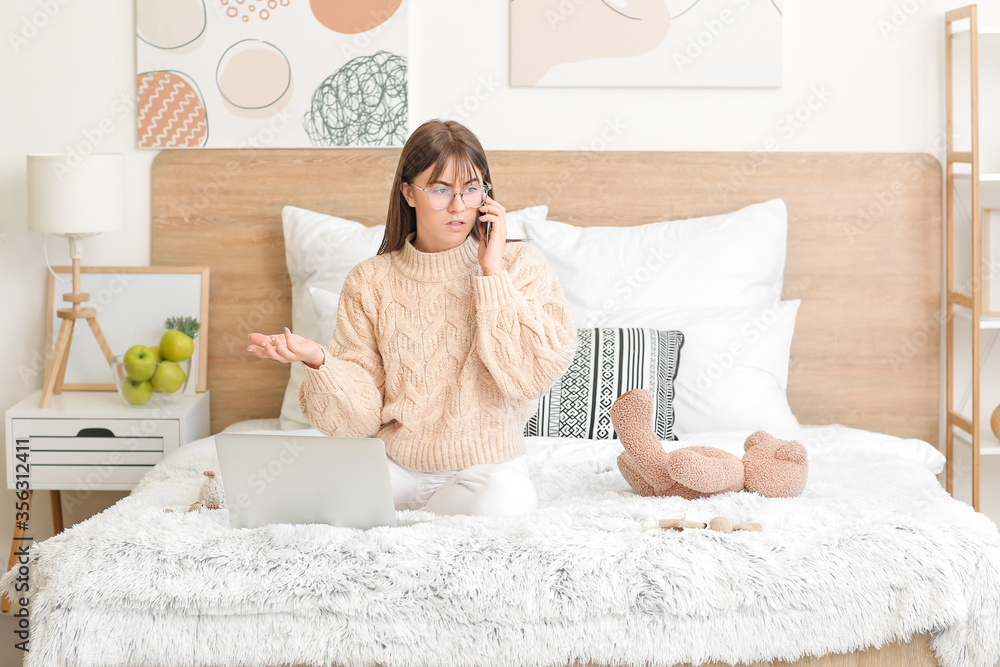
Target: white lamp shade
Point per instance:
(69, 194)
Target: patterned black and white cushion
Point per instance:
(608, 363)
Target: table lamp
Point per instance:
(75, 197)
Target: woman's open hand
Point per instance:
(286, 347)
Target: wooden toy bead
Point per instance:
(671, 524)
(720, 524)
(756, 527)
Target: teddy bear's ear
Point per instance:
(754, 439)
(791, 451)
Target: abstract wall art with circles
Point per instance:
(271, 73)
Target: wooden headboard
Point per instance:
(864, 253)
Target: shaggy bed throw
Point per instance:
(873, 551)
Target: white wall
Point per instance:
(68, 66)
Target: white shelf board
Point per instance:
(985, 321)
(988, 447)
(983, 178)
(989, 188)
(983, 30)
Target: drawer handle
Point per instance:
(95, 433)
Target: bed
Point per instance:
(873, 565)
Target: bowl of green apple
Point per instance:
(157, 374)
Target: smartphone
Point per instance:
(487, 226)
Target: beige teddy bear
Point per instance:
(771, 467)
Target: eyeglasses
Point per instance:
(440, 197)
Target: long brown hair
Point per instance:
(435, 144)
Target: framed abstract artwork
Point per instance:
(692, 43)
(271, 73)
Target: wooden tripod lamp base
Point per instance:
(76, 197)
(55, 372)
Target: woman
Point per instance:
(443, 341)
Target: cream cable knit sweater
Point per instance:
(438, 360)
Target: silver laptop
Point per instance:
(274, 478)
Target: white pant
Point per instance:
(497, 489)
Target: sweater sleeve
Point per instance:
(344, 396)
(525, 327)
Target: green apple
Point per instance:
(156, 352)
(135, 392)
(140, 363)
(169, 377)
(176, 346)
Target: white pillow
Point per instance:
(325, 304)
(733, 371)
(320, 250)
(735, 259)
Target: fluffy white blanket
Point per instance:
(873, 551)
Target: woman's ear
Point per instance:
(407, 194)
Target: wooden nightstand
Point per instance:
(93, 440)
